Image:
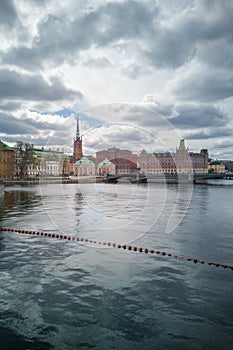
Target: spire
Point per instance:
(78, 138)
(182, 145)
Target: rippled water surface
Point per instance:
(58, 294)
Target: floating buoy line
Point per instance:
(116, 245)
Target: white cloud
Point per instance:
(58, 56)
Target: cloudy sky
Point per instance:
(140, 74)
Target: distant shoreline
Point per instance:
(102, 179)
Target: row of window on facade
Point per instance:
(180, 162)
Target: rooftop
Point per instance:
(84, 161)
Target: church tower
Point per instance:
(78, 148)
(182, 159)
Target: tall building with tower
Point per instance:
(77, 147)
(182, 161)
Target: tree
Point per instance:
(229, 165)
(24, 156)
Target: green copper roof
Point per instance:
(182, 145)
(5, 147)
(39, 153)
(42, 153)
(84, 161)
(106, 162)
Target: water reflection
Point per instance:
(18, 200)
(65, 295)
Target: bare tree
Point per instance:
(24, 156)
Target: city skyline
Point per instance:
(142, 74)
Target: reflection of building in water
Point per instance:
(19, 200)
(182, 161)
(125, 161)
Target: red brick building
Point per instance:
(7, 162)
(77, 147)
(125, 161)
(182, 161)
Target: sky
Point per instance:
(138, 74)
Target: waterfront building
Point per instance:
(200, 161)
(84, 167)
(7, 162)
(46, 163)
(31, 170)
(217, 167)
(106, 167)
(92, 158)
(182, 161)
(66, 166)
(182, 158)
(52, 167)
(149, 163)
(26, 163)
(49, 162)
(125, 161)
(77, 146)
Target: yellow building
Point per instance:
(217, 167)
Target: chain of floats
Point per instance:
(115, 245)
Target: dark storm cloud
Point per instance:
(130, 19)
(42, 141)
(176, 41)
(14, 85)
(8, 14)
(198, 116)
(224, 145)
(12, 126)
(165, 40)
(10, 106)
(211, 133)
(217, 18)
(191, 41)
(58, 39)
(26, 125)
(216, 53)
(205, 85)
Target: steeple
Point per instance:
(182, 145)
(77, 150)
(78, 138)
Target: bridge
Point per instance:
(133, 178)
(229, 175)
(175, 178)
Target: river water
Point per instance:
(58, 294)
